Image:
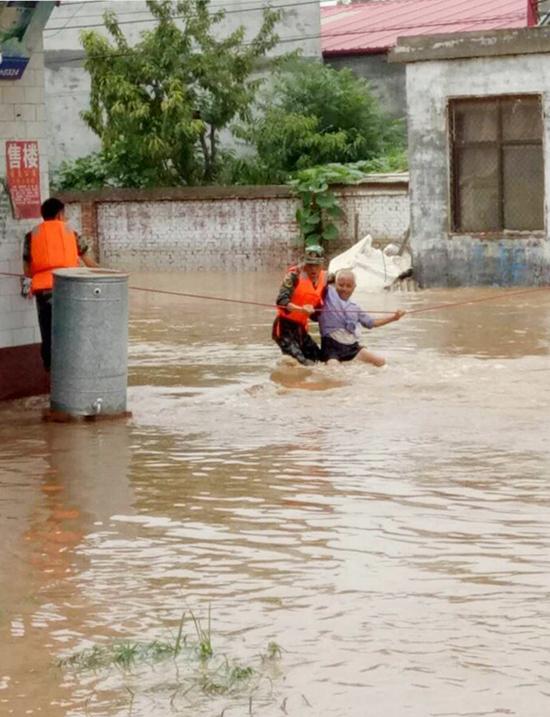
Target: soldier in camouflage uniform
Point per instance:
(299, 297)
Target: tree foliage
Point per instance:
(159, 106)
(89, 172)
(314, 115)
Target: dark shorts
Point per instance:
(332, 349)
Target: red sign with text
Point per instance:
(23, 178)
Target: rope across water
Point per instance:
(422, 309)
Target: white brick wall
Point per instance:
(21, 117)
(381, 212)
(199, 235)
(235, 234)
(74, 217)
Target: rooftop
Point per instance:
(374, 26)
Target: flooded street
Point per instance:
(391, 535)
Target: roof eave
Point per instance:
(356, 51)
(467, 45)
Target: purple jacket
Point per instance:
(338, 314)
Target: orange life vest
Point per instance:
(53, 246)
(304, 293)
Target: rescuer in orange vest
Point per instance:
(50, 245)
(299, 297)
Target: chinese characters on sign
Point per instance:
(23, 178)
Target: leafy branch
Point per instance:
(320, 209)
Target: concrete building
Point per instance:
(360, 35)
(68, 83)
(24, 167)
(479, 156)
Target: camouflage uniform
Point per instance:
(291, 337)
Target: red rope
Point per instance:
(202, 296)
(221, 298)
(432, 307)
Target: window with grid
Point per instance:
(497, 164)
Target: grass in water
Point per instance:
(274, 651)
(204, 637)
(207, 673)
(224, 679)
(123, 654)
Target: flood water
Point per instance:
(391, 534)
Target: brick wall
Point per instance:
(223, 228)
(380, 209)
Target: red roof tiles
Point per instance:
(374, 26)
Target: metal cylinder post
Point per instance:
(89, 371)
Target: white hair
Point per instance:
(345, 273)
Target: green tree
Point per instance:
(314, 115)
(89, 172)
(159, 106)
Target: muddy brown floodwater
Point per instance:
(390, 534)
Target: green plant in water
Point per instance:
(238, 673)
(123, 654)
(180, 639)
(206, 674)
(274, 651)
(204, 637)
(226, 678)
